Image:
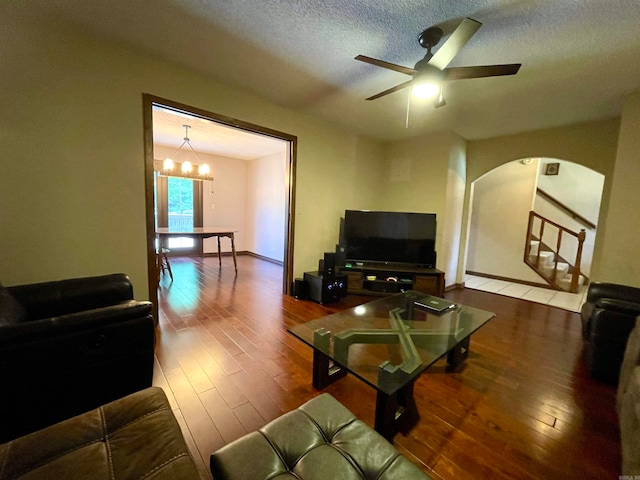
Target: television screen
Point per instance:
(390, 237)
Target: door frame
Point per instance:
(149, 101)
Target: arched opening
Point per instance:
(564, 192)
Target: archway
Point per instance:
(565, 192)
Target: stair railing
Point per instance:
(574, 266)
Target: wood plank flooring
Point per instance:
(522, 407)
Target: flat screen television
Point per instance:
(390, 237)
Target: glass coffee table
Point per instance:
(387, 344)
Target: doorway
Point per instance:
(189, 113)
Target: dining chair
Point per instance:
(162, 260)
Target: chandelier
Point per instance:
(184, 169)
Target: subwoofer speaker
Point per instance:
(326, 288)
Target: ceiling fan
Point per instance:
(429, 73)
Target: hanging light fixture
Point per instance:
(185, 169)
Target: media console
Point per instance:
(365, 279)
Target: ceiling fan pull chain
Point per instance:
(406, 124)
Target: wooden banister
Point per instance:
(572, 213)
(535, 264)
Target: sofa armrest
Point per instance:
(619, 306)
(598, 290)
(53, 369)
(612, 324)
(52, 299)
(35, 331)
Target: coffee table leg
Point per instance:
(325, 371)
(395, 412)
(461, 351)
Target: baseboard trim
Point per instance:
(511, 280)
(454, 286)
(222, 254)
(266, 259)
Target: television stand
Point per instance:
(382, 280)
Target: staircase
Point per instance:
(559, 273)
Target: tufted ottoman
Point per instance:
(134, 437)
(321, 440)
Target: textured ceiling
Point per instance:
(579, 58)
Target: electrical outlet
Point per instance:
(213, 206)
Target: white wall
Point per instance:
(266, 206)
(225, 201)
(454, 207)
(499, 211)
(580, 189)
(576, 186)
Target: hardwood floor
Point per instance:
(522, 406)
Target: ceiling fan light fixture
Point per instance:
(426, 90)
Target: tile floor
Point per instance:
(564, 300)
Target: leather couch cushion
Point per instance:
(134, 437)
(11, 312)
(320, 440)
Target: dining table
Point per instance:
(165, 233)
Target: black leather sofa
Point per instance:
(608, 315)
(69, 346)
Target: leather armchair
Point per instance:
(69, 346)
(608, 316)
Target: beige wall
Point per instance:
(72, 132)
(426, 174)
(619, 258)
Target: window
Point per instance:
(180, 210)
(178, 205)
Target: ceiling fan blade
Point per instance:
(460, 73)
(454, 43)
(383, 64)
(391, 90)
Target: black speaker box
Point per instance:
(329, 264)
(326, 288)
(300, 289)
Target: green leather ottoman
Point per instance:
(321, 440)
